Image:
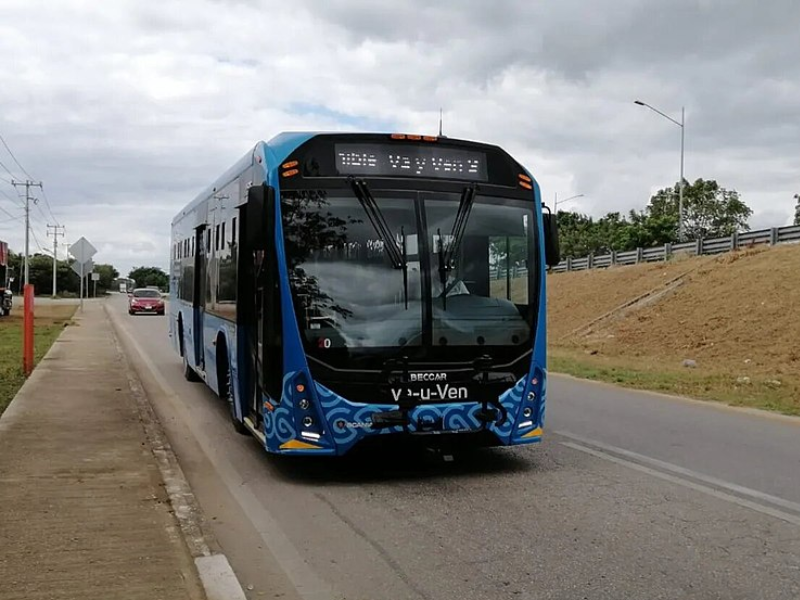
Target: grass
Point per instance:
(780, 395)
(49, 322)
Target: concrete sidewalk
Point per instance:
(83, 509)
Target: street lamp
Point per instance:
(556, 202)
(680, 185)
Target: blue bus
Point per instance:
(341, 289)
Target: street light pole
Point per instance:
(680, 185)
(682, 125)
(556, 201)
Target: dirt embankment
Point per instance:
(736, 316)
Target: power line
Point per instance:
(9, 214)
(47, 203)
(7, 169)
(35, 239)
(44, 195)
(15, 158)
(41, 212)
(58, 230)
(18, 199)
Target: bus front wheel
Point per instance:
(226, 394)
(189, 374)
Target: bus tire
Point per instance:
(226, 390)
(189, 374)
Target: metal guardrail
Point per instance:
(747, 239)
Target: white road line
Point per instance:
(218, 578)
(732, 487)
(772, 512)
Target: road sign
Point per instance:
(83, 268)
(95, 276)
(82, 250)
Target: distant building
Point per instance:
(123, 284)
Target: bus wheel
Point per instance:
(189, 374)
(226, 393)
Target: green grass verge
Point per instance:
(778, 394)
(11, 376)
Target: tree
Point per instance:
(797, 210)
(40, 274)
(709, 209)
(145, 276)
(576, 233)
(107, 276)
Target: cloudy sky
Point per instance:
(126, 109)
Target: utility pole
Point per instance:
(58, 230)
(28, 185)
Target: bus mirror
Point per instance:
(258, 205)
(552, 250)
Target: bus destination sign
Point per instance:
(405, 160)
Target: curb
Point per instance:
(216, 574)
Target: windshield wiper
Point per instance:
(456, 236)
(397, 252)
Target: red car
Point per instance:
(145, 301)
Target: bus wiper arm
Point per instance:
(456, 236)
(398, 253)
(361, 190)
(460, 224)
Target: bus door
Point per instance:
(259, 299)
(199, 295)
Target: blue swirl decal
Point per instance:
(346, 422)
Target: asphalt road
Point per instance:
(630, 496)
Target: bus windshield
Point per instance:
(482, 298)
(349, 292)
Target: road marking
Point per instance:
(218, 578)
(306, 582)
(609, 455)
(714, 481)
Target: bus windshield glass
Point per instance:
(481, 296)
(350, 293)
(347, 292)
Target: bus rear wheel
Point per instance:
(226, 394)
(189, 374)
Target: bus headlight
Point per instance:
(308, 421)
(304, 403)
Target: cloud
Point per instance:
(126, 110)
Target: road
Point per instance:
(631, 495)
